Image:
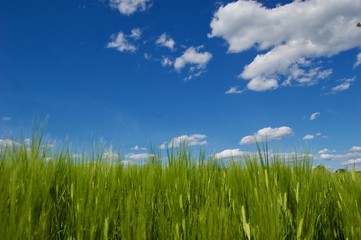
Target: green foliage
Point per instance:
(188, 198)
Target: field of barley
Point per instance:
(51, 195)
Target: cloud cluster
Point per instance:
(267, 134)
(122, 42)
(128, 7)
(230, 153)
(288, 36)
(191, 140)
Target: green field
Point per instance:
(187, 198)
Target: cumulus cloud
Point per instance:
(260, 84)
(267, 134)
(314, 116)
(230, 153)
(289, 36)
(121, 42)
(128, 7)
(234, 90)
(165, 41)
(196, 59)
(358, 60)
(191, 140)
(308, 137)
(346, 84)
(355, 149)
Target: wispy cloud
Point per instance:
(6, 119)
(267, 134)
(315, 115)
(166, 62)
(128, 7)
(234, 90)
(346, 84)
(287, 47)
(358, 60)
(189, 140)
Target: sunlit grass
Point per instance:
(51, 195)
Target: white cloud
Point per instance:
(137, 148)
(325, 150)
(147, 56)
(346, 84)
(121, 43)
(352, 162)
(230, 153)
(128, 7)
(110, 155)
(192, 56)
(358, 61)
(347, 158)
(308, 137)
(267, 134)
(315, 115)
(288, 34)
(138, 156)
(166, 62)
(127, 163)
(136, 33)
(8, 143)
(260, 84)
(165, 41)
(6, 119)
(234, 90)
(355, 149)
(191, 140)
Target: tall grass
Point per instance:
(188, 198)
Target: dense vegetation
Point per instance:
(188, 198)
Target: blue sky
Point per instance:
(215, 74)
